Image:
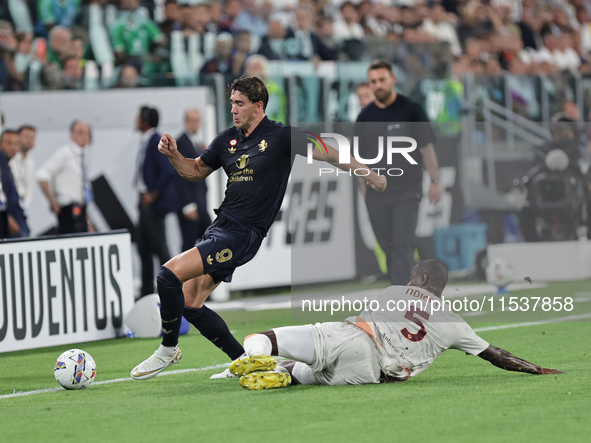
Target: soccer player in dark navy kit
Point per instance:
(257, 157)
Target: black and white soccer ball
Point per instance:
(75, 369)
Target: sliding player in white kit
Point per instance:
(383, 345)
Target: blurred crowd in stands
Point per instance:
(75, 44)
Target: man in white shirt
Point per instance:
(64, 181)
(347, 26)
(380, 345)
(23, 166)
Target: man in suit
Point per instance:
(155, 184)
(191, 196)
(13, 222)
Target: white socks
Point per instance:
(257, 344)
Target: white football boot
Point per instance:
(155, 364)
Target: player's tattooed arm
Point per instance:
(505, 360)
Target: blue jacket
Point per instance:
(159, 175)
(13, 206)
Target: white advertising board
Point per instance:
(58, 291)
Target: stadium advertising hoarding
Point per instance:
(58, 291)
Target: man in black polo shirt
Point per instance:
(257, 157)
(394, 213)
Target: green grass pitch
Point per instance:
(459, 398)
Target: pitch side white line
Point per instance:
(533, 323)
(116, 380)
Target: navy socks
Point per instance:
(208, 322)
(172, 302)
(214, 328)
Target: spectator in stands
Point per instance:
(408, 17)
(240, 52)
(500, 14)
(347, 26)
(522, 90)
(565, 56)
(65, 182)
(325, 30)
(216, 9)
(13, 217)
(184, 15)
(272, 45)
(474, 21)
(52, 13)
(305, 44)
(493, 67)
(78, 44)
(51, 77)
(15, 62)
(60, 40)
(252, 18)
(231, 11)
(7, 48)
(73, 73)
(439, 27)
(24, 55)
(171, 17)
(137, 37)
(22, 165)
(129, 77)
(222, 59)
(368, 18)
(529, 28)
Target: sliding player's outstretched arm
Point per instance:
(194, 170)
(505, 360)
(373, 180)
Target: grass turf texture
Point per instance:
(459, 398)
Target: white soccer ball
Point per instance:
(75, 369)
(500, 273)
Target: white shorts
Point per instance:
(345, 355)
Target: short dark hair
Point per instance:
(380, 64)
(26, 128)
(150, 116)
(7, 131)
(436, 271)
(253, 87)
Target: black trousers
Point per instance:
(72, 219)
(394, 222)
(151, 241)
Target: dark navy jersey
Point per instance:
(258, 167)
(404, 117)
